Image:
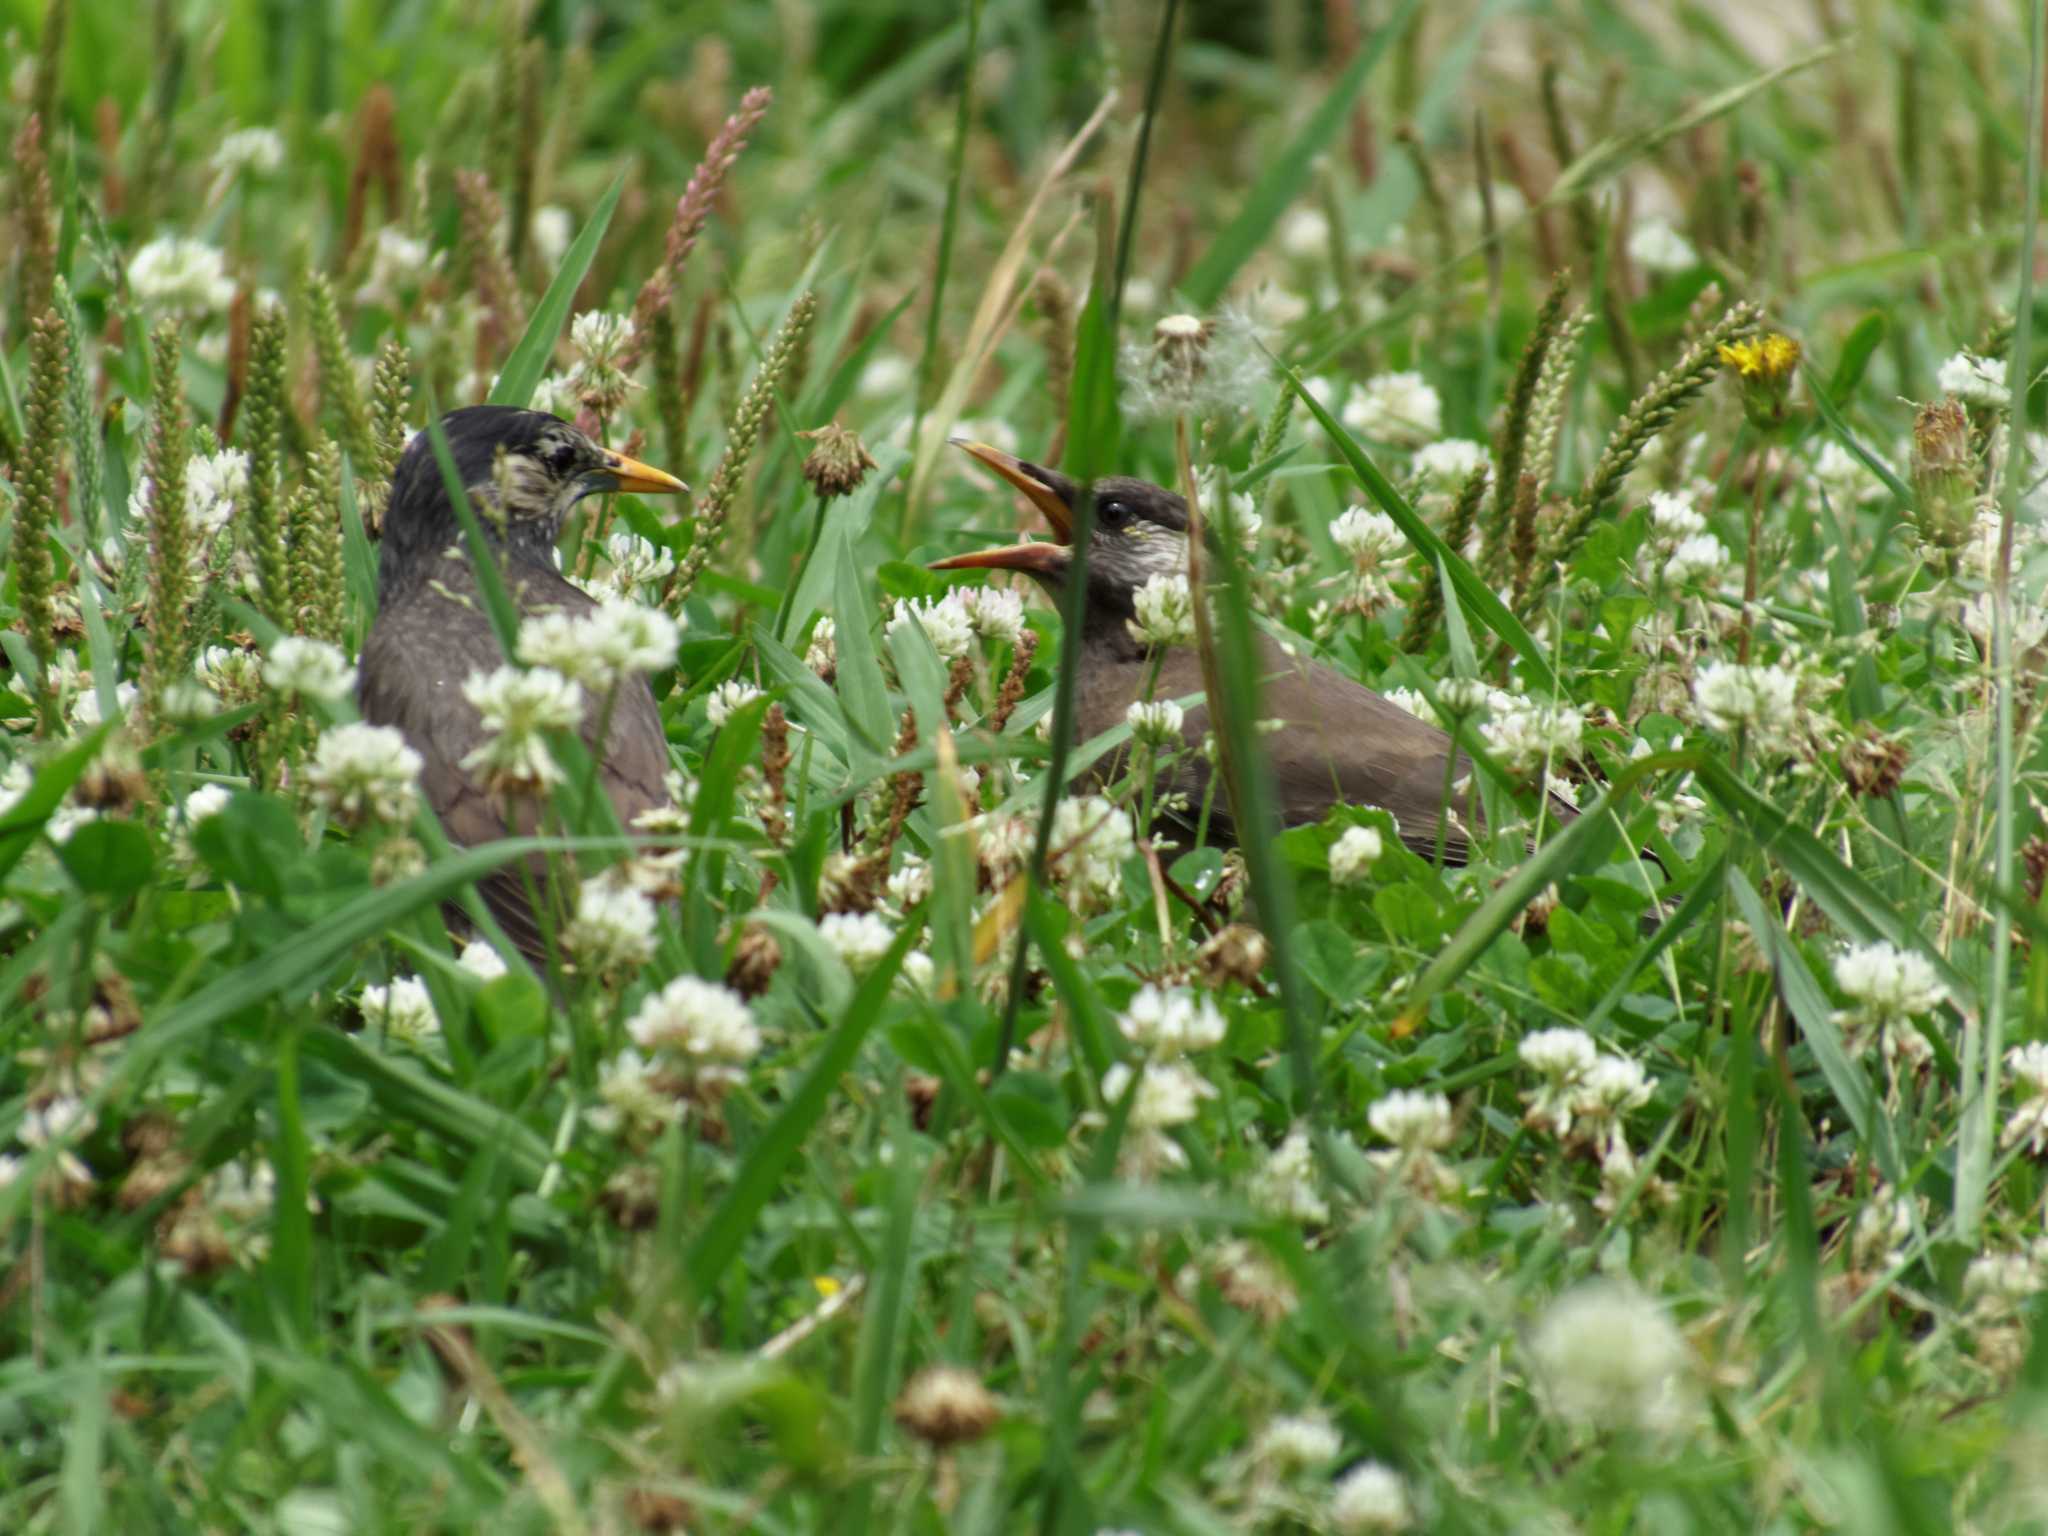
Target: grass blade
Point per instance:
(529, 360)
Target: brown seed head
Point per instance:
(1235, 952)
(946, 1405)
(754, 961)
(1873, 763)
(838, 462)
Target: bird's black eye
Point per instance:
(1112, 514)
(562, 459)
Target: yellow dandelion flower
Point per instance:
(1764, 366)
(827, 1286)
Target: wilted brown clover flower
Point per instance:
(1873, 763)
(839, 462)
(946, 1405)
(1944, 474)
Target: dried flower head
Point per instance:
(838, 461)
(946, 1405)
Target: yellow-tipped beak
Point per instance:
(641, 479)
(1039, 494)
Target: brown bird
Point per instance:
(1340, 743)
(526, 469)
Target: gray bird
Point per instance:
(1340, 743)
(432, 630)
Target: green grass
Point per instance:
(270, 1262)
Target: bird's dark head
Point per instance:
(525, 469)
(1141, 531)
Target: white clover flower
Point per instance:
(1169, 1093)
(599, 336)
(1655, 246)
(553, 639)
(258, 151)
(613, 929)
(1155, 722)
(1413, 703)
(1527, 733)
(302, 665)
(1356, 850)
(1171, 1021)
(215, 483)
(997, 613)
(1881, 1230)
(1370, 1497)
(364, 773)
(56, 1121)
(552, 228)
(85, 705)
(1673, 517)
(944, 619)
(1975, 380)
(1846, 478)
(633, 1098)
(207, 800)
(1447, 464)
(1239, 512)
(1465, 696)
(403, 1008)
(1165, 612)
(910, 883)
(626, 638)
(1763, 700)
(1293, 1442)
(398, 264)
(1563, 1057)
(481, 961)
(1413, 1121)
(181, 274)
(1887, 988)
(1305, 234)
(727, 699)
(1091, 838)
(707, 1025)
(1998, 1284)
(1398, 408)
(1610, 1359)
(518, 708)
(1286, 1183)
(636, 562)
(1369, 540)
(822, 654)
(230, 674)
(1698, 560)
(858, 938)
(2029, 1066)
(887, 373)
(1612, 1087)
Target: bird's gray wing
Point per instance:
(410, 676)
(1338, 743)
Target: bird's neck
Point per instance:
(415, 557)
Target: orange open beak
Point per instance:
(1036, 491)
(641, 479)
(1036, 558)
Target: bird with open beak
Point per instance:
(528, 470)
(1338, 742)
